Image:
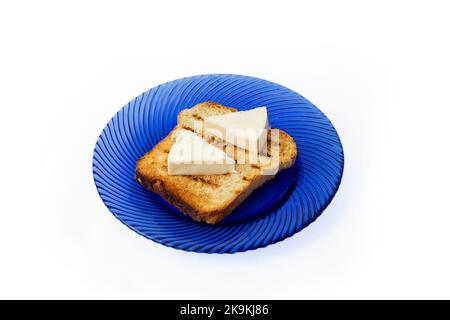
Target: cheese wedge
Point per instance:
(191, 155)
(244, 129)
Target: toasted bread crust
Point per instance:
(205, 198)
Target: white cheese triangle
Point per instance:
(245, 129)
(191, 155)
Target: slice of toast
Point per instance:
(209, 198)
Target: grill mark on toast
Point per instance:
(197, 117)
(189, 129)
(255, 166)
(203, 180)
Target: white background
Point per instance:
(378, 69)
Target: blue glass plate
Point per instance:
(279, 209)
